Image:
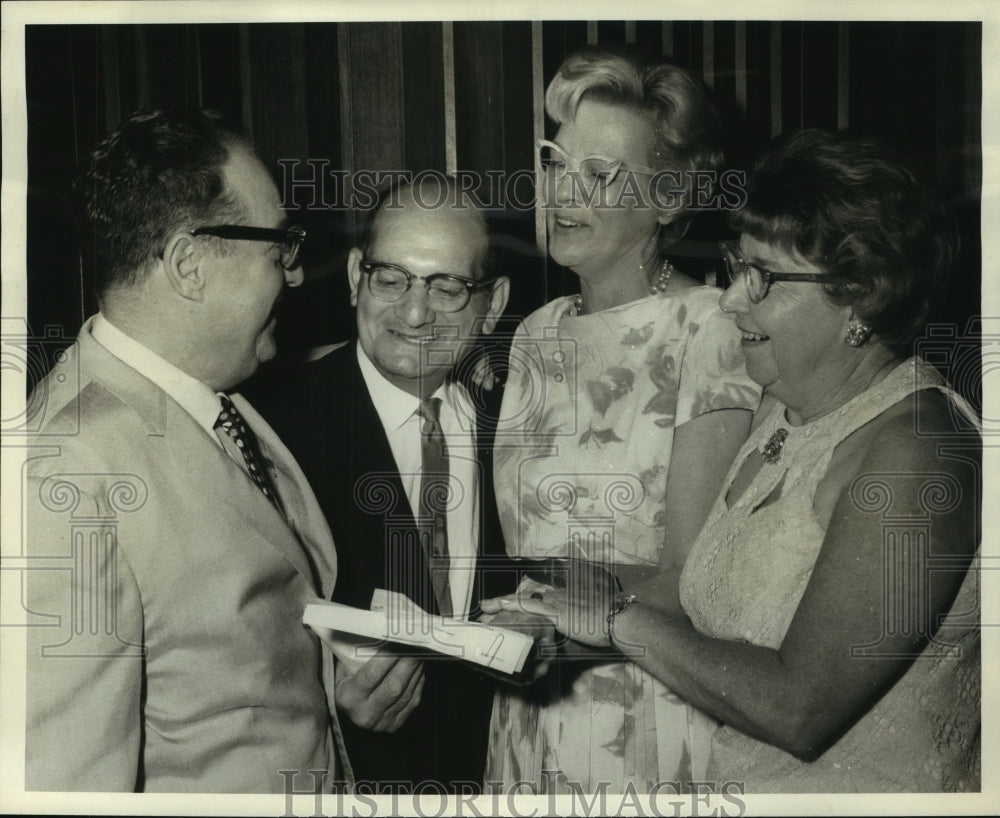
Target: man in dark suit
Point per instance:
(174, 542)
(366, 422)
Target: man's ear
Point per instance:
(354, 272)
(498, 301)
(183, 266)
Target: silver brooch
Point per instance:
(772, 449)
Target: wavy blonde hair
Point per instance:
(686, 126)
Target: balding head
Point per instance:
(411, 330)
(431, 194)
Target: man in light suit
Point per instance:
(423, 293)
(174, 540)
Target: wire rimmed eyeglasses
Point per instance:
(445, 292)
(758, 281)
(288, 239)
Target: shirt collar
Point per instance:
(394, 405)
(193, 396)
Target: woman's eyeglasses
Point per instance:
(289, 239)
(758, 281)
(594, 171)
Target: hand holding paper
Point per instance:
(396, 618)
(383, 692)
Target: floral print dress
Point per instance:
(581, 460)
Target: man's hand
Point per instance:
(383, 692)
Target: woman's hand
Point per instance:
(579, 610)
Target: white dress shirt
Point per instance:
(398, 412)
(193, 396)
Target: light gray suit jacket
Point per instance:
(168, 652)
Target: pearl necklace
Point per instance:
(658, 285)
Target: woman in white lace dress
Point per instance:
(827, 614)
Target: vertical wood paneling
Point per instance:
(55, 288)
(322, 59)
(776, 95)
(142, 67)
(521, 115)
(819, 86)
(448, 54)
(279, 91)
(843, 76)
(755, 122)
(513, 214)
(612, 31)
(649, 38)
(372, 77)
(424, 101)
(791, 84)
(538, 120)
(371, 85)
(668, 39)
(479, 97)
(246, 82)
(194, 33)
(220, 66)
(381, 96)
(110, 74)
(740, 66)
(966, 52)
(708, 54)
(724, 70)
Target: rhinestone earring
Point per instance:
(858, 334)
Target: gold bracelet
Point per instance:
(621, 602)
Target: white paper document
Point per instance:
(396, 618)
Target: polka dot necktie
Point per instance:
(232, 423)
(434, 494)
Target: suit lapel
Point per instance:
(210, 472)
(302, 510)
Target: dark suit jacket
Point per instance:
(326, 417)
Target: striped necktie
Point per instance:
(434, 493)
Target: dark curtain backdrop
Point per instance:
(318, 98)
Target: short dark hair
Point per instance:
(160, 171)
(849, 207)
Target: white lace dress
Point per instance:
(744, 579)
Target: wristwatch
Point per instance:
(619, 604)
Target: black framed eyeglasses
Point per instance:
(758, 281)
(595, 171)
(289, 239)
(445, 293)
